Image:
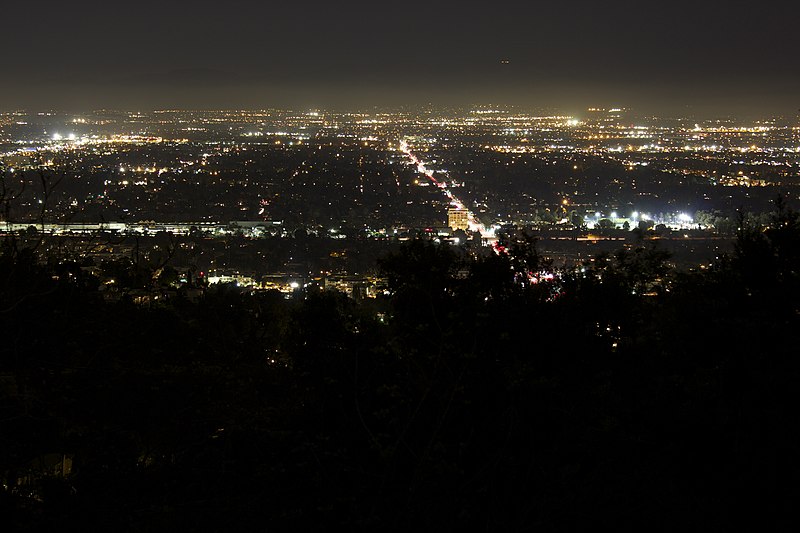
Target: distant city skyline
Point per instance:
(703, 57)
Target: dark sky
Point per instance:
(737, 56)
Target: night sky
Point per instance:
(661, 56)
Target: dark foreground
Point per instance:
(469, 398)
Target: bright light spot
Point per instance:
(57, 137)
(294, 285)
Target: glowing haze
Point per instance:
(711, 56)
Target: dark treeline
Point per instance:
(469, 398)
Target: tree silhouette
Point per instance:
(621, 393)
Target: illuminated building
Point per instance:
(458, 219)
